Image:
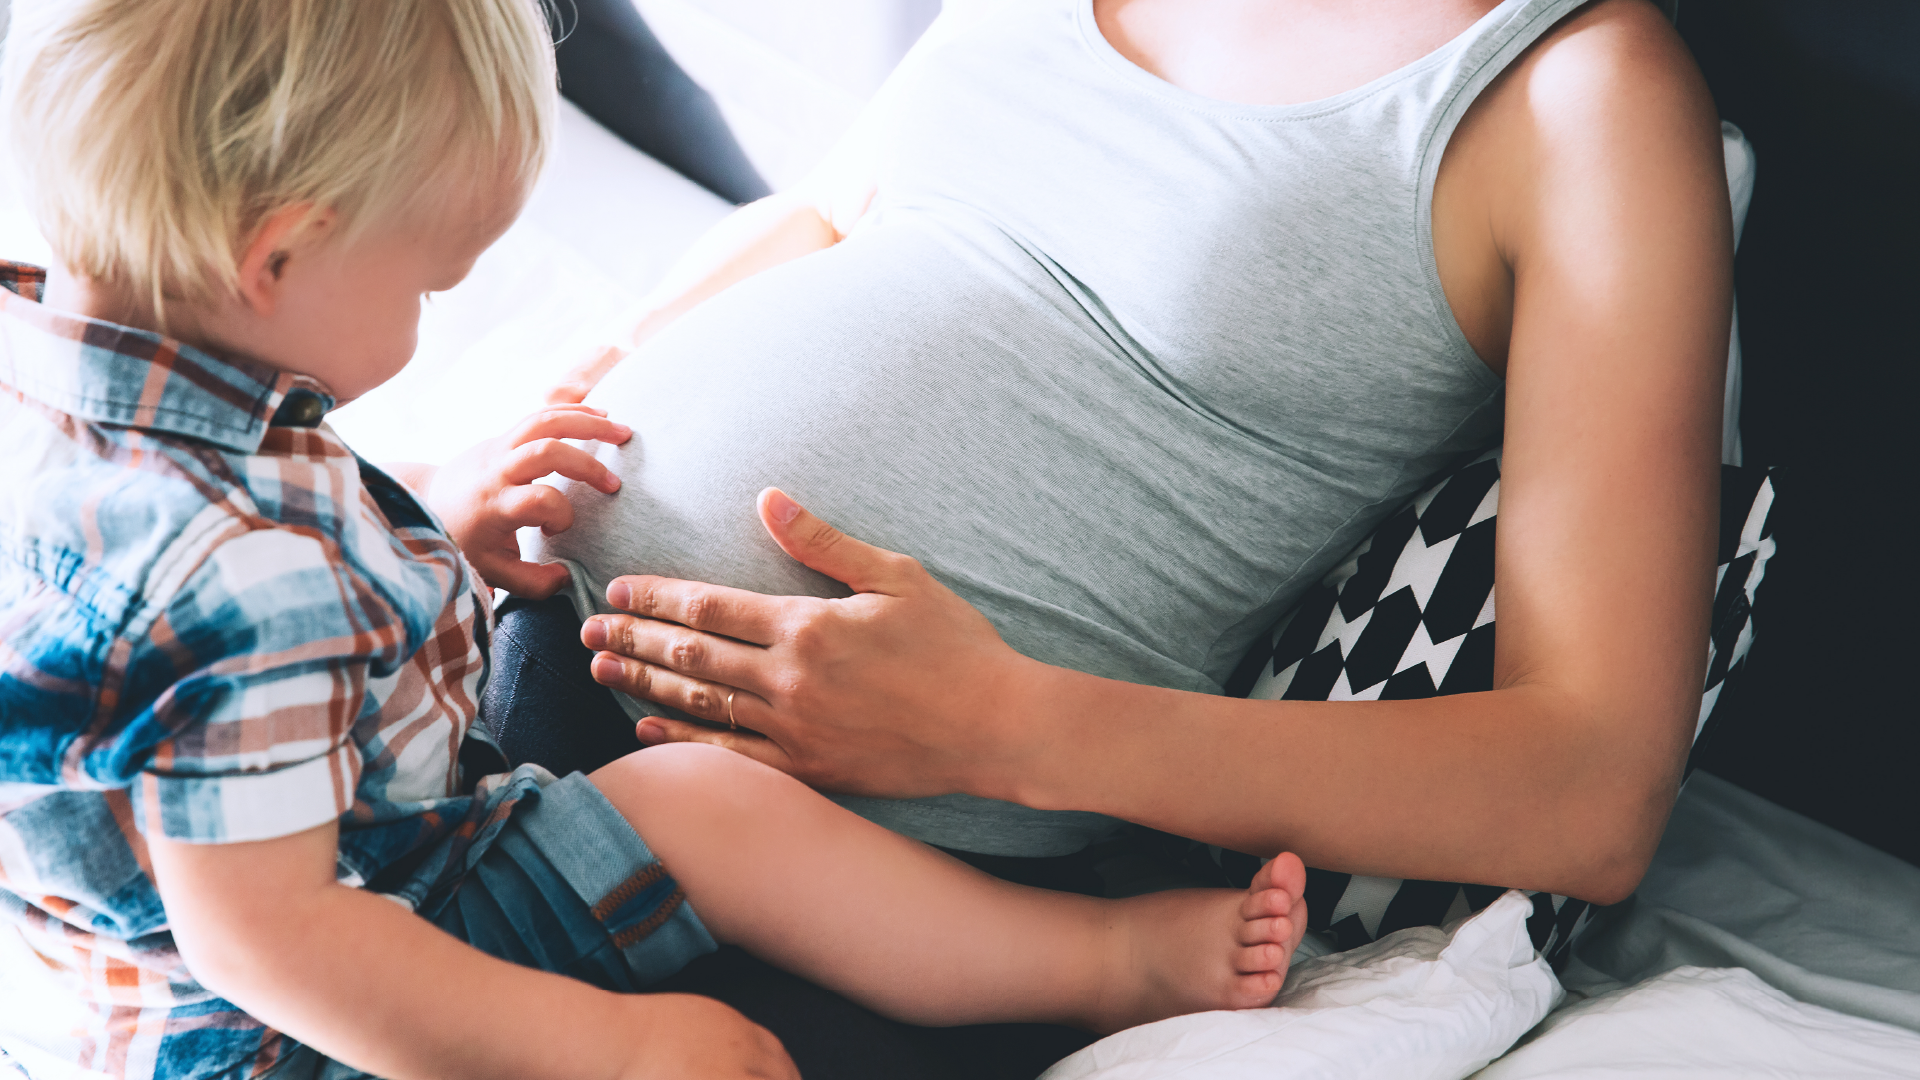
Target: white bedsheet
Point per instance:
(1740, 882)
(1760, 944)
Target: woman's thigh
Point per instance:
(541, 702)
(543, 706)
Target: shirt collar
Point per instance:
(108, 373)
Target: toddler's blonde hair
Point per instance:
(155, 137)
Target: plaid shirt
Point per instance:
(219, 624)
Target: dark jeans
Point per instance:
(543, 706)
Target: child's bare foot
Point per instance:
(1192, 950)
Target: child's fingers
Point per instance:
(537, 459)
(569, 422)
(535, 581)
(535, 506)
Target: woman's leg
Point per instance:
(772, 866)
(541, 702)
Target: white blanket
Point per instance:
(1750, 924)
(1421, 1004)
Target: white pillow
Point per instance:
(1701, 1023)
(1740, 168)
(1424, 1002)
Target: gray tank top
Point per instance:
(1126, 367)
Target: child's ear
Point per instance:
(264, 262)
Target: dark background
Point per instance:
(1824, 718)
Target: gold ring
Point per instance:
(731, 722)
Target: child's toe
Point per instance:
(1266, 903)
(1278, 930)
(1258, 989)
(1285, 872)
(1266, 956)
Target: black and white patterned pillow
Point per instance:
(1410, 614)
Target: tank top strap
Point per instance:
(1477, 57)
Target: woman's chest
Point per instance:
(1235, 254)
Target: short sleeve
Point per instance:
(280, 645)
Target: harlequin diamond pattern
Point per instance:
(1410, 614)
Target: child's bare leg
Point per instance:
(774, 867)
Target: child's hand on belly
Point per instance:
(488, 492)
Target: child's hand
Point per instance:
(697, 1038)
(488, 492)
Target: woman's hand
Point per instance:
(580, 379)
(488, 492)
(900, 690)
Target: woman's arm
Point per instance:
(815, 214)
(1606, 200)
(756, 237)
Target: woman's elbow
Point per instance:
(1614, 843)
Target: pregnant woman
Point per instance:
(1118, 323)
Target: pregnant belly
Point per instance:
(944, 397)
(939, 393)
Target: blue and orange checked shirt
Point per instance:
(218, 624)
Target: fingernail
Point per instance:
(618, 594)
(782, 508)
(650, 734)
(593, 634)
(606, 669)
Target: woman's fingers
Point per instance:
(580, 380)
(653, 650)
(819, 546)
(715, 702)
(735, 613)
(655, 730)
(530, 462)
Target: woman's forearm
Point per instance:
(1518, 786)
(756, 237)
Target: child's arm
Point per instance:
(363, 980)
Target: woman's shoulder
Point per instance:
(1606, 106)
(1607, 68)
